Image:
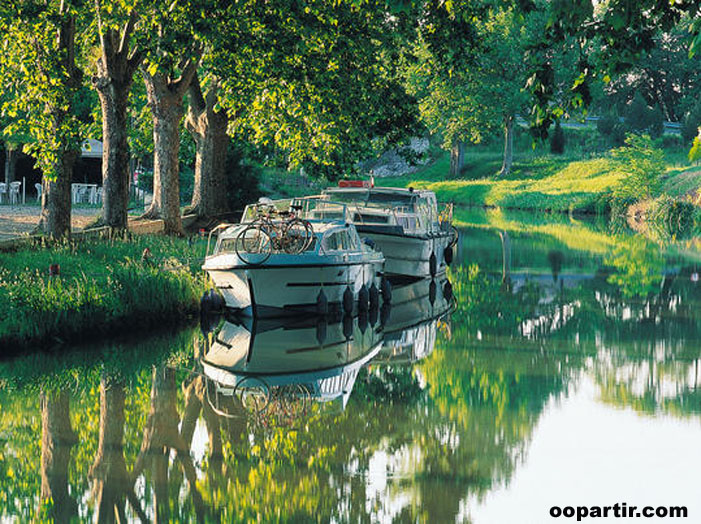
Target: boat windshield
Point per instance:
(374, 198)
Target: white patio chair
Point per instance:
(3, 190)
(14, 192)
(39, 190)
(81, 195)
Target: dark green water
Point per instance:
(567, 374)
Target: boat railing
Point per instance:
(221, 226)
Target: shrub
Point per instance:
(557, 140)
(606, 124)
(642, 164)
(695, 152)
(642, 119)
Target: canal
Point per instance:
(562, 371)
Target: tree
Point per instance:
(665, 76)
(39, 68)
(315, 81)
(616, 33)
(118, 61)
(170, 64)
(483, 91)
(207, 122)
(642, 165)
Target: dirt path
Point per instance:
(19, 220)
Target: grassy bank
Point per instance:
(104, 286)
(568, 183)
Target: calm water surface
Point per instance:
(566, 373)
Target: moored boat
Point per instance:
(405, 224)
(277, 267)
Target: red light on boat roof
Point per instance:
(354, 183)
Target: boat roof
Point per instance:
(399, 191)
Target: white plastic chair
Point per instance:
(3, 190)
(14, 192)
(92, 198)
(39, 190)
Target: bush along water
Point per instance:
(101, 287)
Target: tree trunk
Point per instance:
(457, 158)
(56, 198)
(115, 155)
(508, 146)
(165, 98)
(56, 195)
(115, 75)
(208, 129)
(57, 438)
(109, 471)
(11, 154)
(505, 258)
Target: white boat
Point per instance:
(336, 271)
(264, 359)
(416, 239)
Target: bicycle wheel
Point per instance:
(253, 245)
(254, 394)
(298, 235)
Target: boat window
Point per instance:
(227, 245)
(337, 241)
(407, 222)
(373, 197)
(370, 219)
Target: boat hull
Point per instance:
(279, 290)
(409, 256)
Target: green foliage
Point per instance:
(39, 73)
(642, 165)
(103, 286)
(639, 118)
(458, 102)
(695, 151)
(557, 140)
(316, 82)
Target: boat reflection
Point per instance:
(419, 310)
(277, 367)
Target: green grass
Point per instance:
(104, 287)
(575, 182)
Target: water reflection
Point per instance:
(416, 413)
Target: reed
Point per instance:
(104, 286)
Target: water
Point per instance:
(567, 374)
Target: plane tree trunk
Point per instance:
(115, 74)
(57, 439)
(457, 158)
(165, 99)
(208, 129)
(56, 195)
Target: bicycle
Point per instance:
(273, 230)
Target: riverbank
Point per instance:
(550, 183)
(103, 287)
